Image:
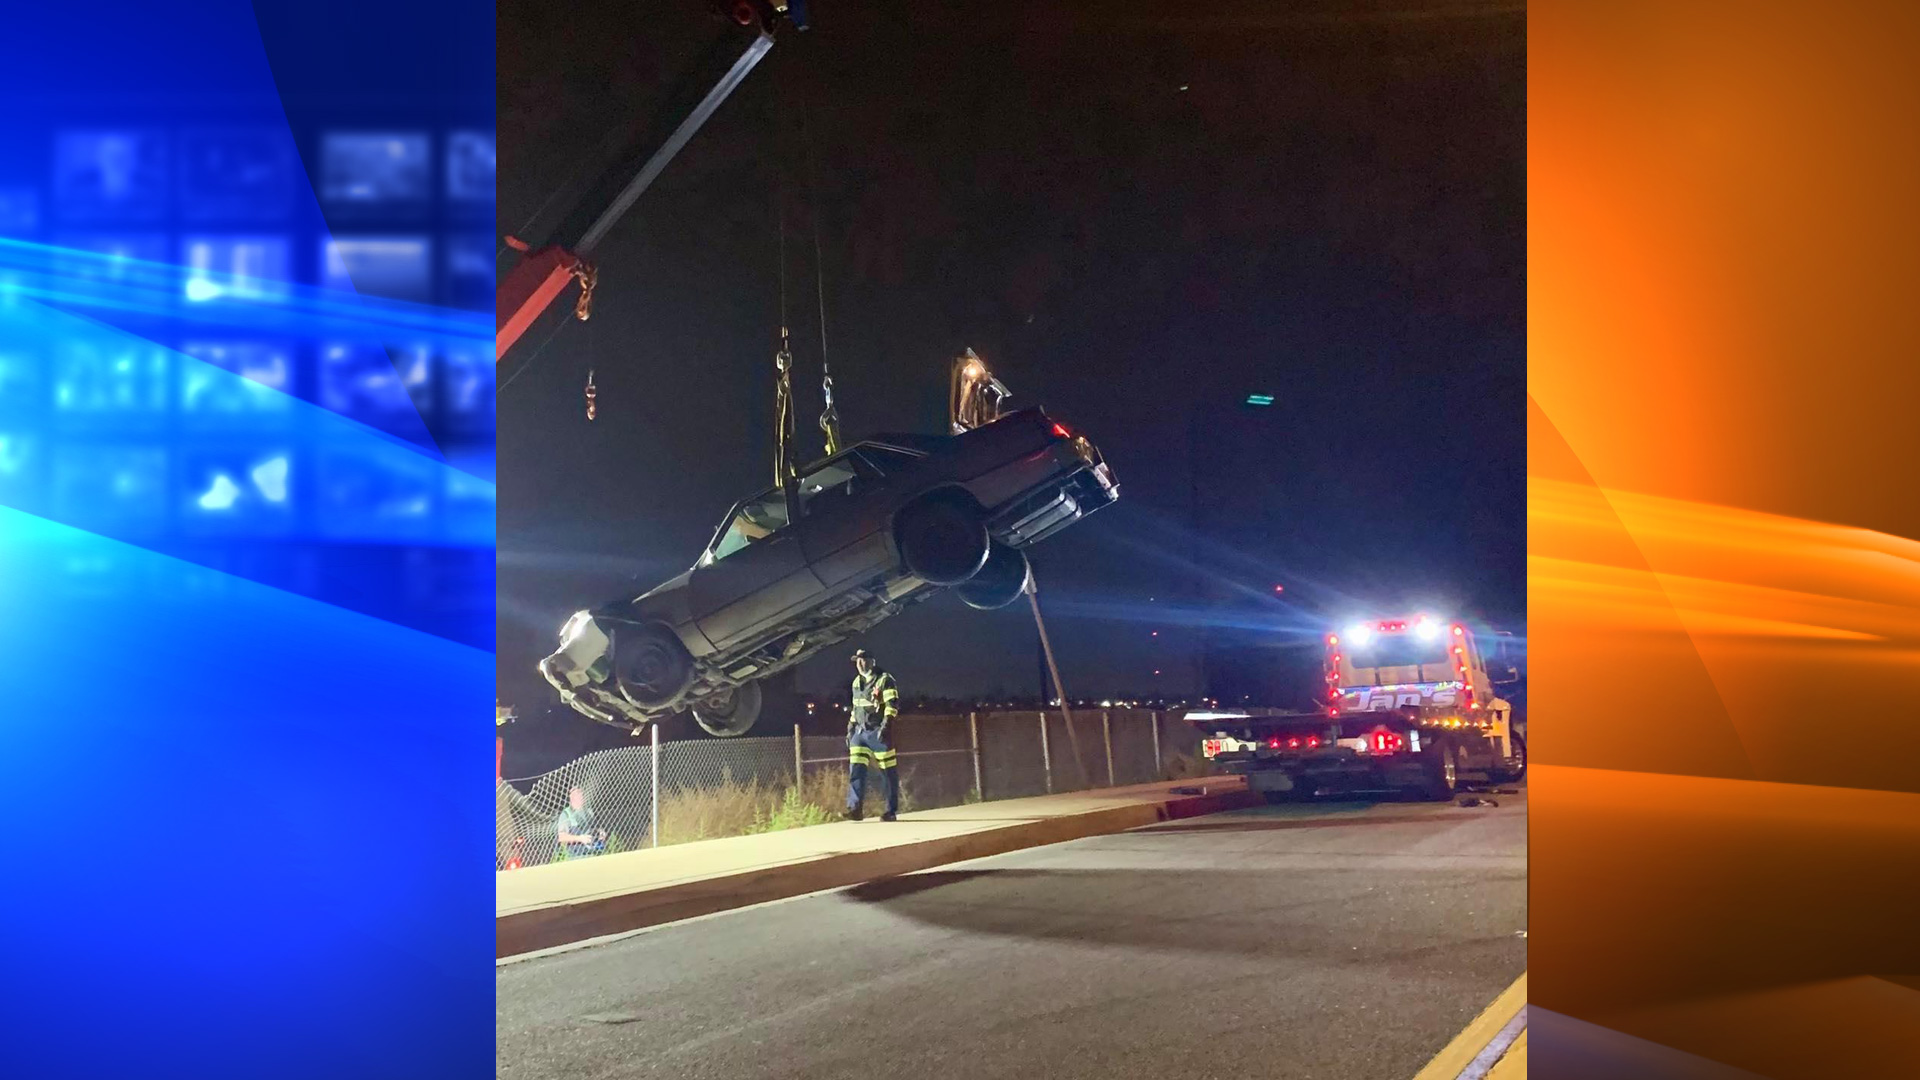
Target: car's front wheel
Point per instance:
(998, 583)
(651, 664)
(729, 712)
(943, 539)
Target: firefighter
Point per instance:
(876, 701)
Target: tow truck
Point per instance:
(1411, 705)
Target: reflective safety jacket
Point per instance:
(876, 701)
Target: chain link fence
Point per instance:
(702, 789)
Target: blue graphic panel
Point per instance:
(246, 538)
(213, 770)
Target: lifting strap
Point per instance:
(829, 418)
(783, 412)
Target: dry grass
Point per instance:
(744, 807)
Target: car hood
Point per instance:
(666, 601)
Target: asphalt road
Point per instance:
(1346, 940)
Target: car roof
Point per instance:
(925, 444)
(912, 443)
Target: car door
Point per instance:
(845, 512)
(753, 575)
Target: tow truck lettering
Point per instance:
(1386, 700)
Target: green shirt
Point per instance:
(574, 822)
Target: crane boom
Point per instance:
(527, 291)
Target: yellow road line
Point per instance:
(1457, 1055)
(1512, 1065)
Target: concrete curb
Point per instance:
(563, 924)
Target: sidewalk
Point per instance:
(542, 907)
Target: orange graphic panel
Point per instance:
(1724, 528)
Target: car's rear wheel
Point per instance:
(943, 539)
(650, 664)
(999, 582)
(730, 712)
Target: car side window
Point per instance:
(835, 482)
(756, 520)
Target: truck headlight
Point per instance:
(572, 630)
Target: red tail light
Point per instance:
(1386, 742)
(1313, 741)
(1273, 743)
(1061, 430)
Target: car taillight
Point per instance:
(1386, 742)
(1293, 743)
(1273, 743)
(1061, 430)
(1313, 742)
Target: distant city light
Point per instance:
(1259, 399)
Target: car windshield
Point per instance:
(756, 519)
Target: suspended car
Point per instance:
(848, 542)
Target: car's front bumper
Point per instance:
(581, 670)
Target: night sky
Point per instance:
(1138, 213)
